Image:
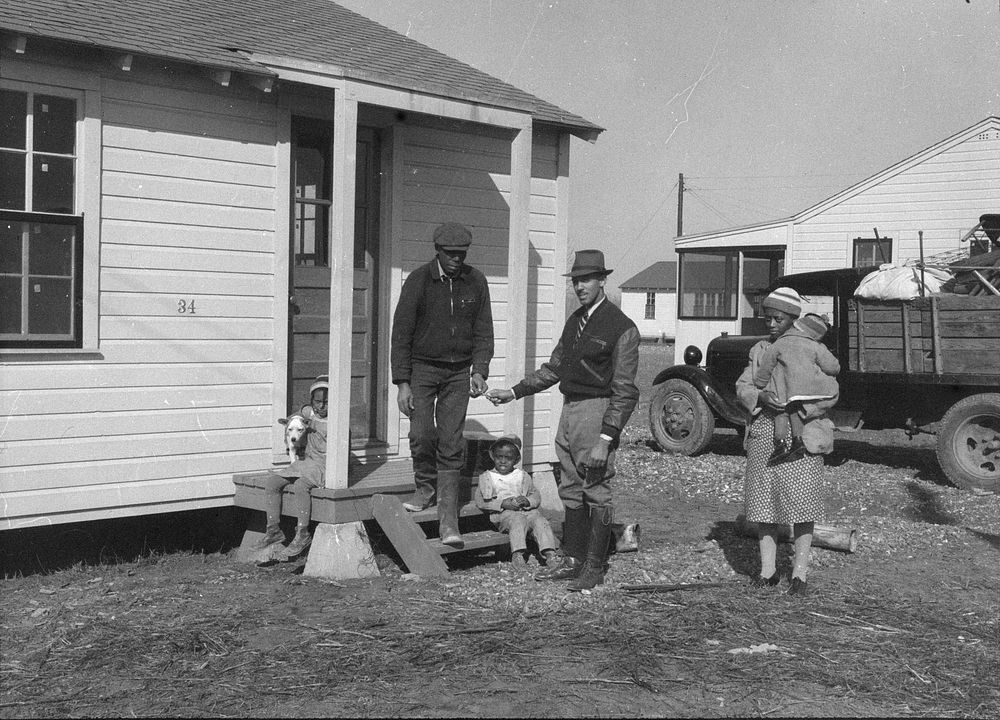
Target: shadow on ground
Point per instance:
(50, 548)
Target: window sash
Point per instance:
(867, 251)
(708, 285)
(41, 283)
(42, 163)
(651, 306)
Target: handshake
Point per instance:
(499, 397)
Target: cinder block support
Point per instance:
(341, 552)
(247, 553)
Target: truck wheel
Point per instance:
(968, 444)
(681, 420)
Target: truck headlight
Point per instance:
(692, 355)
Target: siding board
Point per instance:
(136, 448)
(186, 282)
(143, 234)
(156, 305)
(15, 403)
(83, 474)
(196, 259)
(25, 376)
(200, 214)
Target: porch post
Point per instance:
(519, 316)
(345, 126)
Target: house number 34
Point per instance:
(185, 307)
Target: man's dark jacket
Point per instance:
(442, 320)
(602, 363)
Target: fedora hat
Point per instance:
(587, 262)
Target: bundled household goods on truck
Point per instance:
(944, 341)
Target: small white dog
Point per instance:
(295, 435)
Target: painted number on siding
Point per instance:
(185, 307)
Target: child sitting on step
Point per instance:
(799, 370)
(510, 496)
(303, 475)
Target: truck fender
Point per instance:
(722, 402)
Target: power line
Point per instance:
(635, 241)
(696, 195)
(759, 208)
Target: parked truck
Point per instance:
(927, 365)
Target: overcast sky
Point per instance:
(765, 107)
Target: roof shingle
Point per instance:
(219, 35)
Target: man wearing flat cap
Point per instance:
(595, 363)
(442, 344)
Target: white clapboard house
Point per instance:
(649, 298)
(204, 205)
(938, 195)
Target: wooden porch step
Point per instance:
(423, 555)
(431, 513)
(476, 540)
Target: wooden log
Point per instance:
(824, 536)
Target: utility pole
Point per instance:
(680, 204)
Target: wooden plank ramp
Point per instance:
(421, 553)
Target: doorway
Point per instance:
(309, 301)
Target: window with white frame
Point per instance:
(708, 282)
(872, 251)
(651, 306)
(41, 233)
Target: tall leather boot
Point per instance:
(593, 570)
(447, 492)
(574, 546)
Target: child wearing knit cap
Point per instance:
(510, 496)
(303, 475)
(799, 370)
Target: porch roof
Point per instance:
(225, 36)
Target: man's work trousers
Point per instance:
(579, 430)
(440, 401)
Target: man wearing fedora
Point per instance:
(442, 329)
(595, 363)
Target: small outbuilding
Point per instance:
(929, 201)
(649, 298)
(203, 206)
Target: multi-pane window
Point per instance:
(41, 238)
(708, 284)
(872, 251)
(313, 192)
(651, 306)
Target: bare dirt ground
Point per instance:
(906, 626)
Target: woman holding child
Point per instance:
(787, 492)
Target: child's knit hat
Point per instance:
(784, 299)
(511, 439)
(813, 325)
(321, 382)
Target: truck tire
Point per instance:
(968, 443)
(680, 419)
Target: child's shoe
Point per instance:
(792, 452)
(551, 558)
(303, 539)
(272, 536)
(519, 561)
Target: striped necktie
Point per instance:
(579, 329)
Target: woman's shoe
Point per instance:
(762, 582)
(798, 587)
